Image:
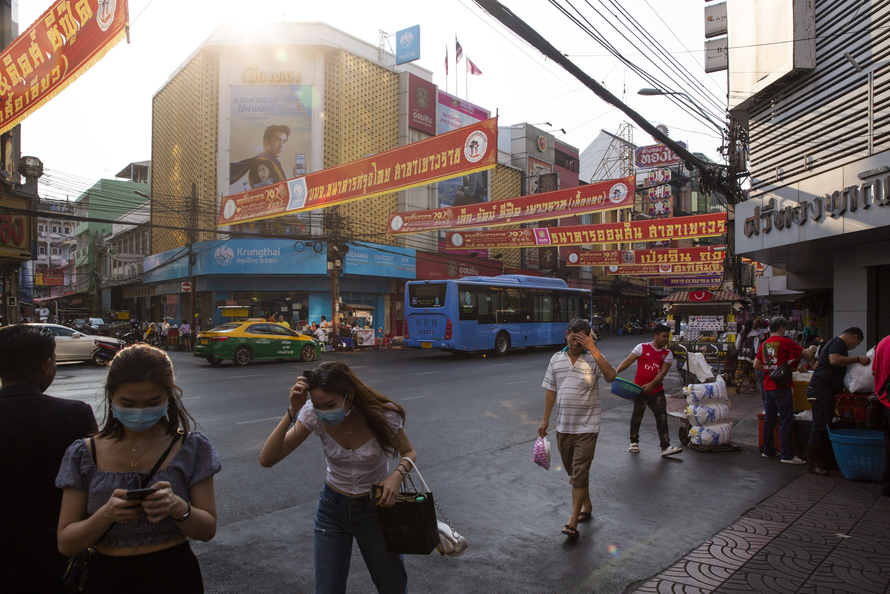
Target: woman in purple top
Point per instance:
(185, 331)
(140, 534)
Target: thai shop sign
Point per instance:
(708, 225)
(461, 152)
(58, 47)
(665, 269)
(704, 281)
(656, 155)
(630, 257)
(596, 197)
(706, 323)
(380, 260)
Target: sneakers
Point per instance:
(794, 460)
(670, 451)
(634, 448)
(773, 455)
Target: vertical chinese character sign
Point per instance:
(58, 47)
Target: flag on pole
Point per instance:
(472, 68)
(458, 50)
(446, 59)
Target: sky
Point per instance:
(102, 121)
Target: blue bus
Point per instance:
(484, 313)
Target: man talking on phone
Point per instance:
(572, 385)
(35, 431)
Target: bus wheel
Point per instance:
(502, 344)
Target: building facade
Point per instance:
(819, 131)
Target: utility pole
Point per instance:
(193, 238)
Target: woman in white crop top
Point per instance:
(360, 430)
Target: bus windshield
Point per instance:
(427, 294)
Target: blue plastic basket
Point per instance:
(625, 389)
(859, 453)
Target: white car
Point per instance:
(72, 345)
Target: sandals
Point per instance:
(571, 532)
(634, 448)
(584, 516)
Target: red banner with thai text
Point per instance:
(642, 257)
(460, 152)
(696, 268)
(596, 197)
(58, 47)
(709, 225)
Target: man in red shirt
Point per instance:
(880, 367)
(779, 400)
(653, 362)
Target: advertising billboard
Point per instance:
(421, 104)
(270, 134)
(456, 113)
(384, 260)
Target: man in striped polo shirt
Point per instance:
(572, 384)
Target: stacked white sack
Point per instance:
(708, 414)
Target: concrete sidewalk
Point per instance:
(817, 534)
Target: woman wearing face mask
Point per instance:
(142, 541)
(360, 430)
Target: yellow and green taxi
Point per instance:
(243, 342)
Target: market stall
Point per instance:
(705, 322)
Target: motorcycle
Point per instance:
(104, 353)
(131, 338)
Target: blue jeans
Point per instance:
(781, 403)
(338, 520)
(760, 375)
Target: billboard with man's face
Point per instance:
(270, 134)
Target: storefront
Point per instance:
(256, 277)
(830, 233)
(373, 283)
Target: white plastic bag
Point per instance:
(859, 377)
(711, 435)
(698, 366)
(541, 454)
(706, 393)
(705, 414)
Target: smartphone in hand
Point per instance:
(135, 494)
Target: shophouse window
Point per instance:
(41, 250)
(56, 228)
(67, 230)
(55, 251)
(41, 228)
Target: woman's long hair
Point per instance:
(144, 363)
(368, 402)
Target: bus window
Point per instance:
(427, 295)
(467, 303)
(543, 306)
(510, 306)
(485, 312)
(527, 303)
(562, 307)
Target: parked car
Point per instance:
(100, 326)
(254, 340)
(72, 345)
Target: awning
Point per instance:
(703, 297)
(358, 306)
(48, 299)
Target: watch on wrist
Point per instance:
(185, 516)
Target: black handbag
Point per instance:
(79, 570)
(410, 526)
(782, 375)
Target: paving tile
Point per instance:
(863, 554)
(788, 504)
(758, 527)
(824, 522)
(845, 579)
(783, 557)
(721, 556)
(699, 575)
(816, 536)
(745, 581)
(744, 541)
(772, 515)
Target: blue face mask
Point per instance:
(139, 419)
(333, 417)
